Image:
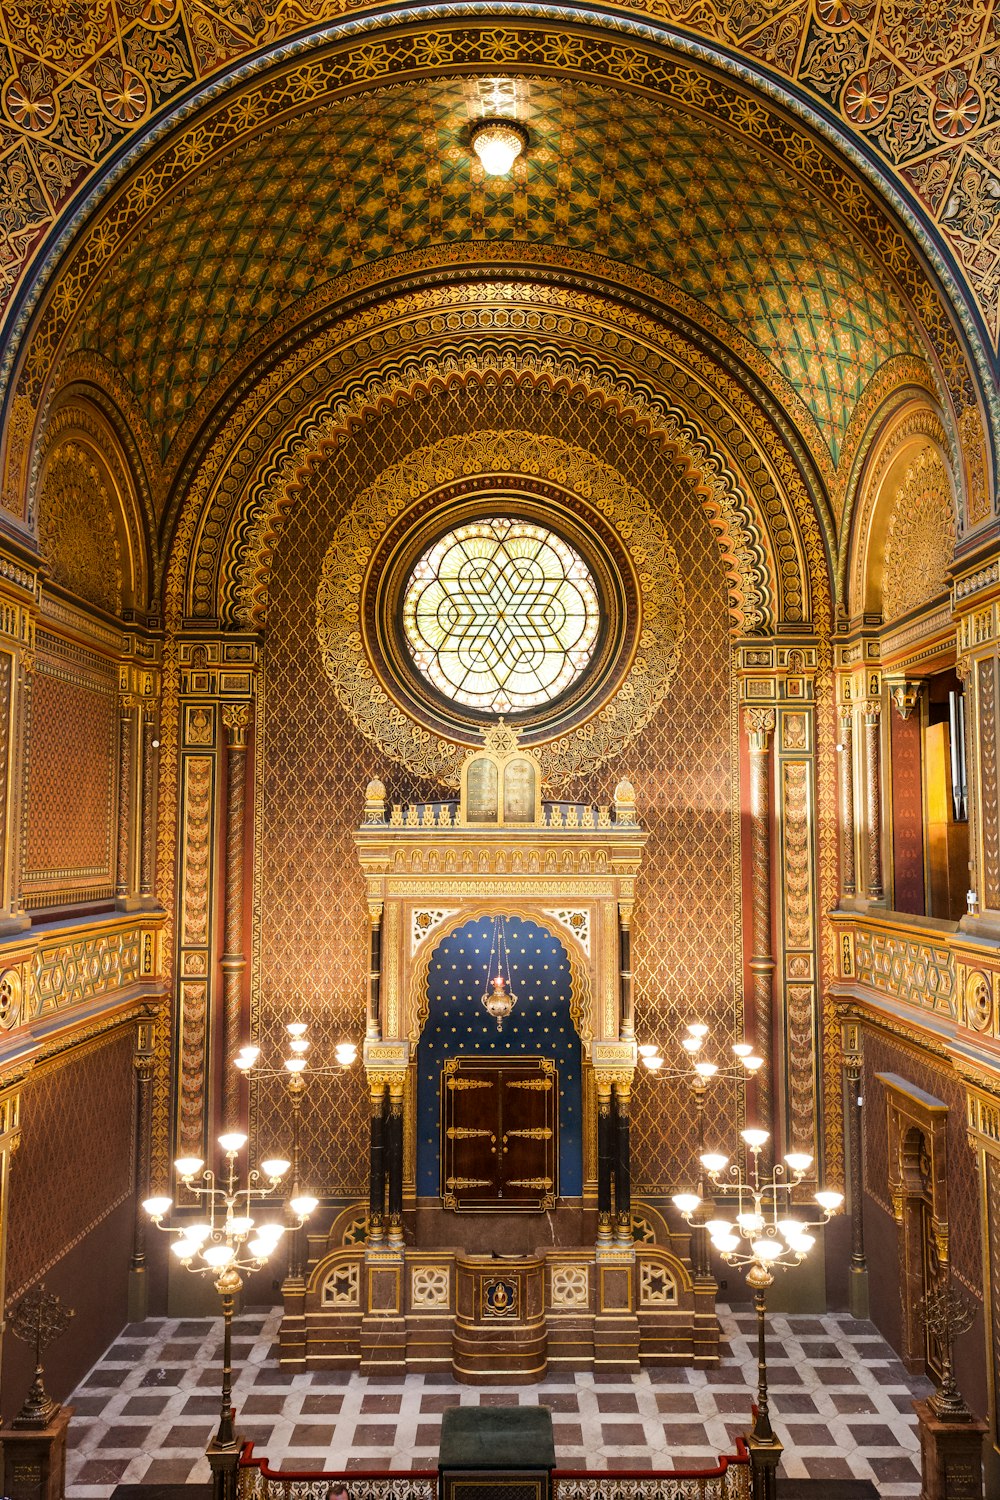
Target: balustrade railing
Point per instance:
(728, 1479)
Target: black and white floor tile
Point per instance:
(840, 1403)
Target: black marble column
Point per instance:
(623, 1164)
(604, 1165)
(394, 1154)
(377, 1172)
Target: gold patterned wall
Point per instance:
(310, 921)
(70, 776)
(74, 1165)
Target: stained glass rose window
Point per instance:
(501, 615)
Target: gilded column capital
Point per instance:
(905, 696)
(872, 710)
(759, 724)
(236, 718)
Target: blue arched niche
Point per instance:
(458, 1026)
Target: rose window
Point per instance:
(501, 615)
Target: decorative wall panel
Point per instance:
(920, 537)
(77, 525)
(991, 1169)
(989, 800)
(70, 776)
(883, 1055)
(907, 813)
(197, 862)
(310, 919)
(797, 820)
(917, 972)
(74, 1165)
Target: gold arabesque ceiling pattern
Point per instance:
(284, 211)
(917, 82)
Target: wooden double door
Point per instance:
(499, 1134)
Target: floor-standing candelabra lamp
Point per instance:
(228, 1239)
(700, 1074)
(765, 1235)
(296, 1072)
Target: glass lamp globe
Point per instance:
(498, 144)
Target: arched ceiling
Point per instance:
(242, 239)
(266, 222)
(914, 82)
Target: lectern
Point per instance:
(505, 1450)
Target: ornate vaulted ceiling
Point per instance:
(917, 82)
(267, 222)
(224, 262)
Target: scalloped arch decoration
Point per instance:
(749, 566)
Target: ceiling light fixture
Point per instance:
(498, 144)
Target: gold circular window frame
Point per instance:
(422, 495)
(473, 499)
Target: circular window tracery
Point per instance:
(501, 615)
(471, 478)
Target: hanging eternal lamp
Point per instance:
(498, 144)
(498, 998)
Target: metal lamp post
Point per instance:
(764, 1236)
(228, 1240)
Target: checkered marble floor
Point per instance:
(840, 1402)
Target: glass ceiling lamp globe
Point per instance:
(232, 1141)
(498, 144)
(188, 1166)
(829, 1201)
(755, 1138)
(698, 1029)
(296, 1029)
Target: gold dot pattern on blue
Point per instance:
(540, 1026)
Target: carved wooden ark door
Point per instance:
(499, 1134)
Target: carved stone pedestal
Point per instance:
(951, 1456)
(34, 1459)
